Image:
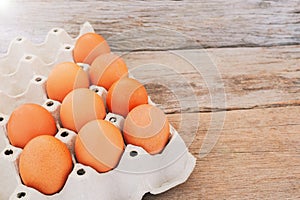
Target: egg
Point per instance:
(45, 164)
(148, 127)
(88, 47)
(65, 77)
(99, 144)
(27, 122)
(124, 95)
(79, 107)
(107, 69)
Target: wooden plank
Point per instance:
(219, 79)
(256, 157)
(257, 153)
(262, 127)
(159, 24)
(241, 176)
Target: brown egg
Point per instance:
(79, 107)
(99, 144)
(64, 78)
(107, 69)
(45, 164)
(148, 127)
(124, 95)
(27, 122)
(88, 47)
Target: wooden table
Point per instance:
(225, 70)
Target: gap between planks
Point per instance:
(217, 80)
(140, 25)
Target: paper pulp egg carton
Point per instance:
(23, 76)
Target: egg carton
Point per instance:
(137, 172)
(26, 64)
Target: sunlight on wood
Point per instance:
(4, 4)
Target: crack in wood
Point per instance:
(211, 110)
(214, 24)
(208, 47)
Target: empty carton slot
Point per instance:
(64, 134)
(1, 119)
(8, 152)
(21, 195)
(55, 30)
(133, 153)
(19, 39)
(81, 172)
(67, 47)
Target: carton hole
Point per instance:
(64, 134)
(133, 153)
(19, 39)
(113, 119)
(1, 119)
(21, 195)
(96, 90)
(38, 79)
(8, 152)
(81, 172)
(50, 103)
(83, 66)
(67, 47)
(28, 57)
(55, 30)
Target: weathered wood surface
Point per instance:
(182, 24)
(190, 80)
(257, 155)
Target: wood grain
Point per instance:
(256, 157)
(200, 80)
(133, 25)
(249, 75)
